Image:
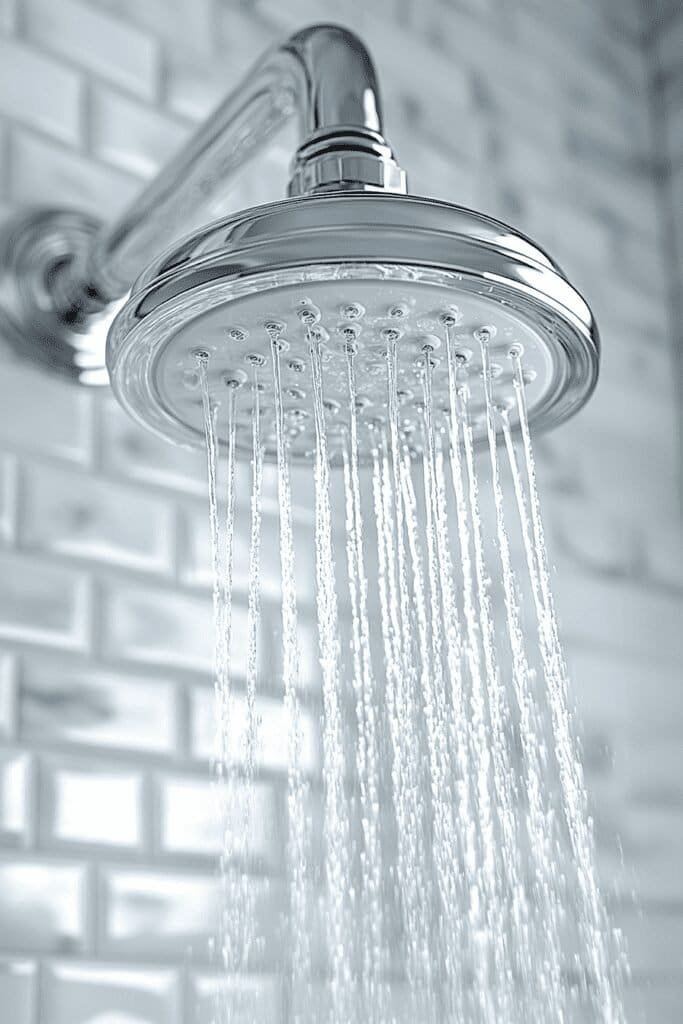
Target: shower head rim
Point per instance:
(248, 244)
(386, 231)
(257, 223)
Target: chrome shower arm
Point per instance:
(325, 75)
(60, 269)
(178, 198)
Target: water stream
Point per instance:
(457, 879)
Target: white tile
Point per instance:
(40, 91)
(594, 539)
(84, 517)
(131, 452)
(653, 849)
(196, 568)
(8, 16)
(91, 803)
(669, 43)
(16, 797)
(273, 731)
(42, 413)
(242, 999)
(42, 173)
(78, 704)
(161, 627)
(175, 915)
(83, 993)
(8, 695)
(97, 41)
(8, 497)
(664, 553)
(654, 939)
(655, 1001)
(634, 697)
(198, 48)
(42, 905)
(18, 980)
(620, 616)
(195, 813)
(194, 30)
(43, 604)
(400, 1009)
(132, 136)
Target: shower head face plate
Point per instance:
(212, 312)
(359, 313)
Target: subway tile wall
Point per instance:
(562, 118)
(664, 46)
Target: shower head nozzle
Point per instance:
(380, 271)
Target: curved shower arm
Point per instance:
(177, 199)
(326, 75)
(60, 269)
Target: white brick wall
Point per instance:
(535, 112)
(664, 45)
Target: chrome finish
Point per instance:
(334, 248)
(41, 251)
(345, 159)
(344, 226)
(347, 234)
(323, 72)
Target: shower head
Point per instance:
(352, 272)
(348, 267)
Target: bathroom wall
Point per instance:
(550, 115)
(664, 46)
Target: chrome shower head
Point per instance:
(364, 268)
(348, 258)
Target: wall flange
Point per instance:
(42, 317)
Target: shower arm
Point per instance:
(60, 269)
